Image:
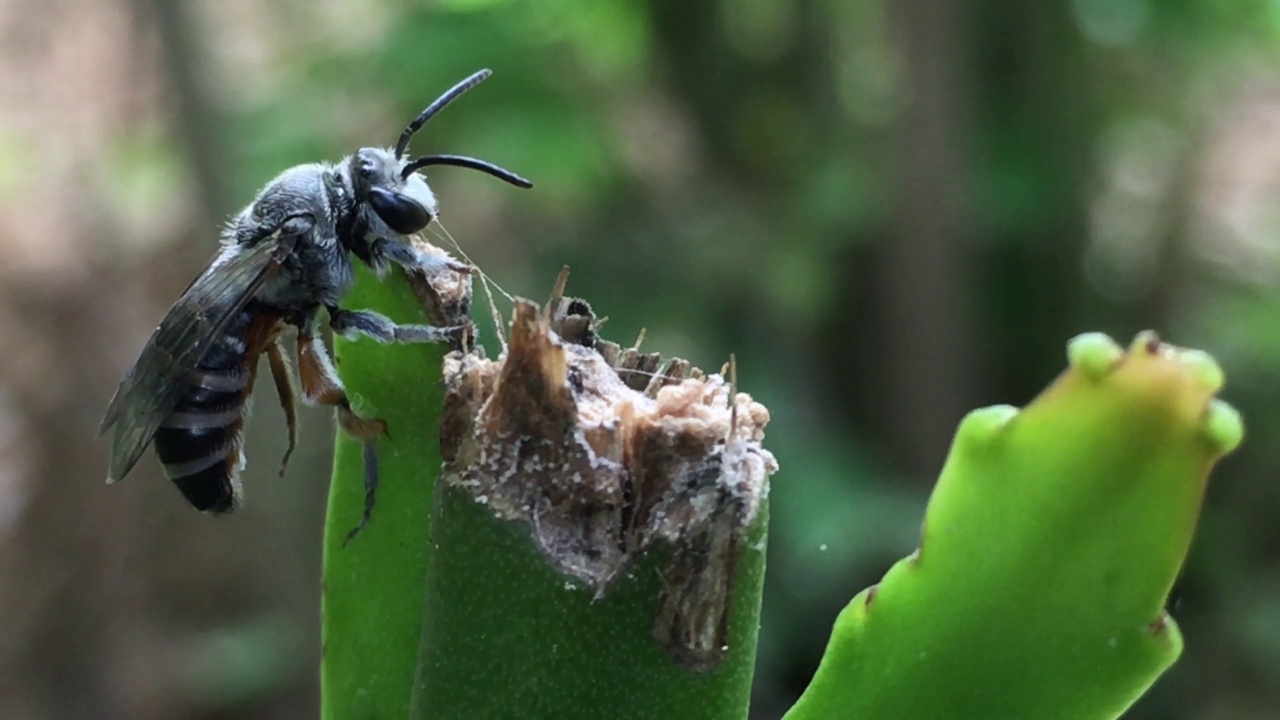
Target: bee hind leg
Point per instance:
(288, 401)
(321, 386)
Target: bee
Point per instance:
(282, 259)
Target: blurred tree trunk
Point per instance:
(1038, 131)
(198, 125)
(60, 621)
(925, 296)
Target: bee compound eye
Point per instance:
(400, 213)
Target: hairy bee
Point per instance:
(283, 258)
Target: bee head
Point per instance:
(390, 182)
(404, 202)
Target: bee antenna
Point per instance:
(435, 107)
(466, 162)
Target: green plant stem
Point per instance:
(505, 636)
(371, 604)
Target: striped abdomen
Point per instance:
(199, 442)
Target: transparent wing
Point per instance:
(181, 340)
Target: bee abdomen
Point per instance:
(215, 490)
(199, 440)
(202, 419)
(204, 462)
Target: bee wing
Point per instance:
(181, 340)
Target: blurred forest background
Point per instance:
(893, 212)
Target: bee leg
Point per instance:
(321, 386)
(412, 257)
(370, 489)
(352, 323)
(288, 402)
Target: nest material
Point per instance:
(605, 453)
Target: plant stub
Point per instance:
(605, 453)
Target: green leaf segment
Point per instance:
(1049, 548)
(371, 603)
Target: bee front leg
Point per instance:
(412, 257)
(353, 323)
(321, 386)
